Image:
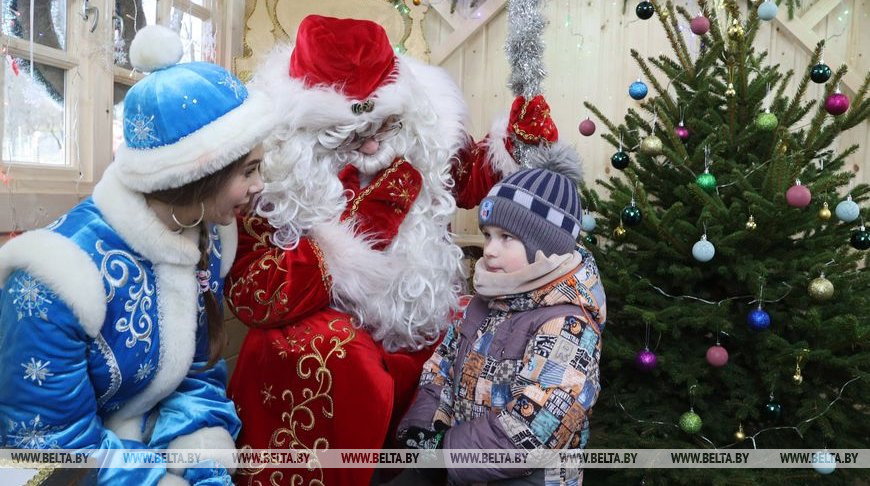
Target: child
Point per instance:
(110, 318)
(520, 371)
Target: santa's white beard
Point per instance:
(411, 306)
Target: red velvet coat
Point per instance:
(306, 378)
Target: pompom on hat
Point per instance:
(185, 121)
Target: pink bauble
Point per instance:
(700, 25)
(682, 132)
(717, 356)
(646, 360)
(837, 104)
(587, 127)
(798, 196)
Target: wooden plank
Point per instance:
(443, 11)
(466, 29)
(819, 11)
(808, 39)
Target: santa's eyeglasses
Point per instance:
(390, 128)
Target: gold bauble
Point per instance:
(797, 378)
(735, 30)
(825, 213)
(750, 224)
(782, 148)
(739, 435)
(821, 289)
(619, 232)
(417, 2)
(651, 145)
(730, 91)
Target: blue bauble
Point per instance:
(824, 462)
(587, 223)
(847, 210)
(637, 90)
(703, 250)
(767, 10)
(758, 319)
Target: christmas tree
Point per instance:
(738, 304)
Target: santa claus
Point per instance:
(347, 273)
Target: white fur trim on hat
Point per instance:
(416, 91)
(214, 443)
(64, 267)
(204, 152)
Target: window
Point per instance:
(65, 73)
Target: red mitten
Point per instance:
(531, 122)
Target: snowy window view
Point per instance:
(33, 95)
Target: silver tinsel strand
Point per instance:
(524, 47)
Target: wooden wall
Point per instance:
(587, 59)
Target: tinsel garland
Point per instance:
(525, 53)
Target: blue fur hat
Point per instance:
(184, 121)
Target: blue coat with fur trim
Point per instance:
(103, 334)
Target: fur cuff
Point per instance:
(354, 267)
(214, 442)
(497, 156)
(170, 479)
(128, 429)
(59, 263)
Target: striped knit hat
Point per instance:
(538, 206)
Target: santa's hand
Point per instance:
(531, 122)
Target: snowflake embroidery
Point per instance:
(32, 435)
(32, 298)
(36, 370)
(234, 85)
(141, 127)
(144, 371)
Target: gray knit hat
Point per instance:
(538, 206)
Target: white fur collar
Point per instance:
(128, 213)
(174, 257)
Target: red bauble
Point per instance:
(717, 356)
(587, 127)
(798, 195)
(700, 25)
(837, 103)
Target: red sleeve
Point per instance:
(269, 286)
(473, 175)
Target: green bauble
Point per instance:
(820, 73)
(690, 422)
(860, 238)
(631, 215)
(590, 240)
(706, 181)
(772, 410)
(766, 121)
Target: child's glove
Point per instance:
(418, 438)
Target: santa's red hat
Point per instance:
(345, 71)
(353, 56)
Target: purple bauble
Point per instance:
(587, 127)
(646, 360)
(700, 25)
(682, 131)
(837, 104)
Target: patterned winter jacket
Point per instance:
(518, 372)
